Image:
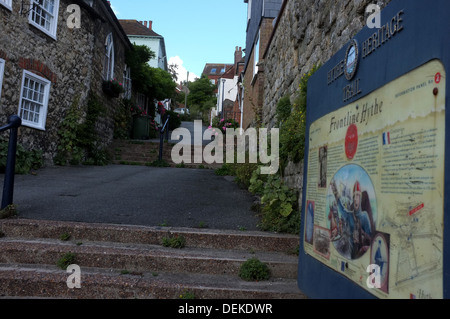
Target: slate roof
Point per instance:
(134, 27)
(218, 68)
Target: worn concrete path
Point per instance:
(134, 195)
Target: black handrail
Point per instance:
(14, 122)
(161, 137)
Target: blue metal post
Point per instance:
(14, 122)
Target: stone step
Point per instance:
(146, 152)
(142, 258)
(151, 235)
(207, 266)
(45, 281)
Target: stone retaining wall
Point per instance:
(307, 33)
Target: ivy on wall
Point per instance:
(79, 140)
(292, 121)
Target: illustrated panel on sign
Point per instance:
(375, 187)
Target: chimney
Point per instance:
(150, 23)
(237, 56)
(145, 23)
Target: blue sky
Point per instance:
(195, 32)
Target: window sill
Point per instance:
(43, 30)
(32, 125)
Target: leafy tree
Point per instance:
(137, 59)
(201, 94)
(161, 85)
(173, 70)
(155, 83)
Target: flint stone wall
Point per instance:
(307, 33)
(73, 62)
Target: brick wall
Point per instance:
(254, 85)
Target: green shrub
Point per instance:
(123, 120)
(187, 295)
(284, 108)
(277, 196)
(279, 207)
(174, 241)
(25, 160)
(66, 260)
(79, 141)
(64, 236)
(254, 270)
(293, 124)
(244, 172)
(226, 170)
(9, 211)
(257, 182)
(174, 121)
(279, 204)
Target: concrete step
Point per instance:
(141, 258)
(207, 266)
(146, 152)
(45, 281)
(151, 235)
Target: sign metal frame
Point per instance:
(413, 33)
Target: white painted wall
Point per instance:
(155, 45)
(227, 91)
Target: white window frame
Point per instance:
(2, 69)
(108, 67)
(43, 105)
(37, 8)
(127, 84)
(256, 56)
(7, 4)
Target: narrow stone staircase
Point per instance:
(139, 152)
(118, 261)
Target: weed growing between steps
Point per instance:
(254, 270)
(9, 211)
(174, 241)
(65, 236)
(187, 295)
(66, 260)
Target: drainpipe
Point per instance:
(241, 106)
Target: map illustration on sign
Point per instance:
(375, 186)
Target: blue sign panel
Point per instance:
(376, 160)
